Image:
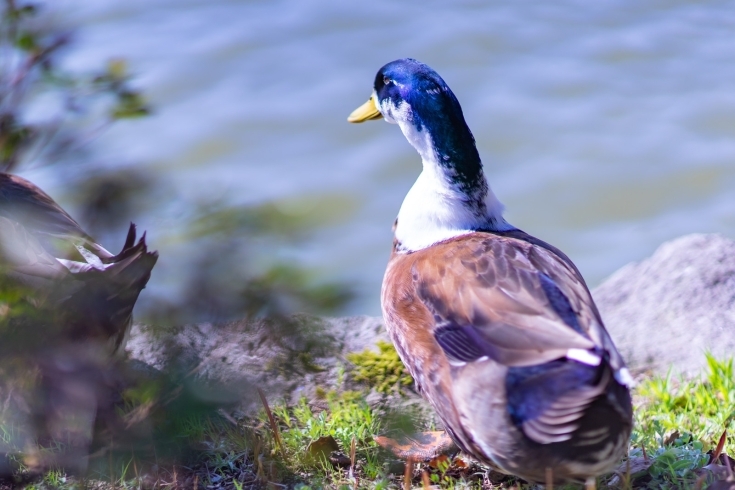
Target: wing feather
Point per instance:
(556, 422)
(24, 202)
(21, 253)
(515, 304)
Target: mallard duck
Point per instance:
(78, 289)
(497, 327)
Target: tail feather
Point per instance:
(103, 307)
(130, 240)
(129, 248)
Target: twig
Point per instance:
(700, 481)
(227, 417)
(720, 447)
(260, 474)
(272, 420)
(353, 449)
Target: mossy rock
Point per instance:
(382, 370)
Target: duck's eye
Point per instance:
(386, 80)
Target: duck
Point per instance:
(76, 289)
(497, 327)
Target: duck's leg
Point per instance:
(549, 478)
(590, 483)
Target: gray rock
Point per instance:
(232, 360)
(668, 310)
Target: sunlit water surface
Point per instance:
(605, 127)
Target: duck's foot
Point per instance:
(549, 474)
(590, 484)
(421, 446)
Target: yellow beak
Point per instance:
(365, 112)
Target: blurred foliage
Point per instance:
(109, 199)
(229, 272)
(67, 406)
(30, 47)
(234, 271)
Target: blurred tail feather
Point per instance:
(104, 305)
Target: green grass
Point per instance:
(676, 422)
(346, 417)
(702, 407)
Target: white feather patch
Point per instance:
(434, 211)
(623, 377)
(584, 356)
(91, 258)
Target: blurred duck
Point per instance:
(73, 283)
(497, 327)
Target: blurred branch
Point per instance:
(30, 51)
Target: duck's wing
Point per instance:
(22, 255)
(506, 299)
(575, 289)
(23, 202)
(523, 306)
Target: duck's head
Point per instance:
(409, 93)
(403, 89)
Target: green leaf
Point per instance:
(26, 41)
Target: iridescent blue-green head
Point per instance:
(411, 94)
(451, 195)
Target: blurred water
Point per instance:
(605, 127)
